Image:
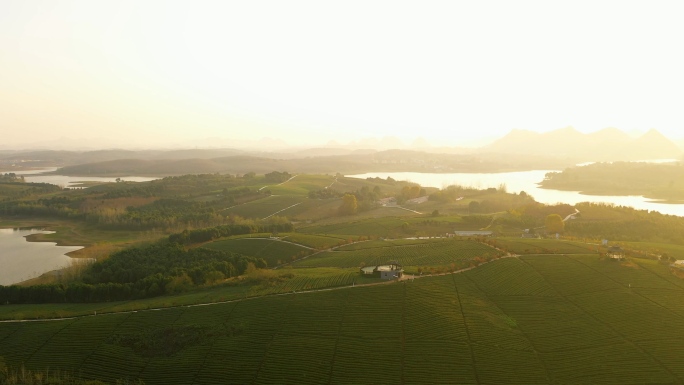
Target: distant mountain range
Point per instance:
(516, 151)
(609, 144)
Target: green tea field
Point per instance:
(406, 252)
(537, 319)
(274, 252)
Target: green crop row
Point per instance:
(529, 320)
(272, 251)
(542, 246)
(265, 207)
(315, 241)
(439, 252)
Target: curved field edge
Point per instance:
(264, 283)
(535, 319)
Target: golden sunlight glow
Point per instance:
(180, 72)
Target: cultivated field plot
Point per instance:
(391, 222)
(312, 208)
(12, 190)
(307, 279)
(542, 246)
(302, 184)
(273, 251)
(530, 320)
(366, 227)
(384, 243)
(320, 242)
(438, 252)
(511, 277)
(387, 226)
(280, 281)
(676, 251)
(265, 207)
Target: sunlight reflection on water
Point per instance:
(524, 181)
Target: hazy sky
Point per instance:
(154, 73)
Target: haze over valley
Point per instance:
(309, 192)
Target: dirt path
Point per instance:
(279, 184)
(280, 240)
(279, 211)
(404, 279)
(403, 208)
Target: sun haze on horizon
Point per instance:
(160, 73)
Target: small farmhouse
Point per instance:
(615, 252)
(390, 271)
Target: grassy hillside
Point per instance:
(442, 252)
(536, 319)
(555, 313)
(274, 252)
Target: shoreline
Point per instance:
(645, 197)
(35, 237)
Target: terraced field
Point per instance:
(542, 246)
(316, 241)
(560, 319)
(676, 251)
(302, 184)
(265, 207)
(406, 252)
(393, 222)
(375, 226)
(281, 281)
(385, 243)
(273, 251)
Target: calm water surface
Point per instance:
(525, 181)
(21, 260)
(34, 176)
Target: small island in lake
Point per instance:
(658, 181)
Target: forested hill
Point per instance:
(656, 181)
(357, 162)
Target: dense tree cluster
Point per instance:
(21, 190)
(349, 205)
(449, 194)
(138, 273)
(58, 206)
(653, 180)
(324, 194)
(147, 191)
(534, 214)
(411, 192)
(388, 180)
(277, 177)
(554, 223)
(11, 177)
(181, 210)
(367, 198)
(603, 221)
(175, 205)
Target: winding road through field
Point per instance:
(403, 279)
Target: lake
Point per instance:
(524, 181)
(36, 176)
(21, 260)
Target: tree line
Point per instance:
(276, 225)
(139, 272)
